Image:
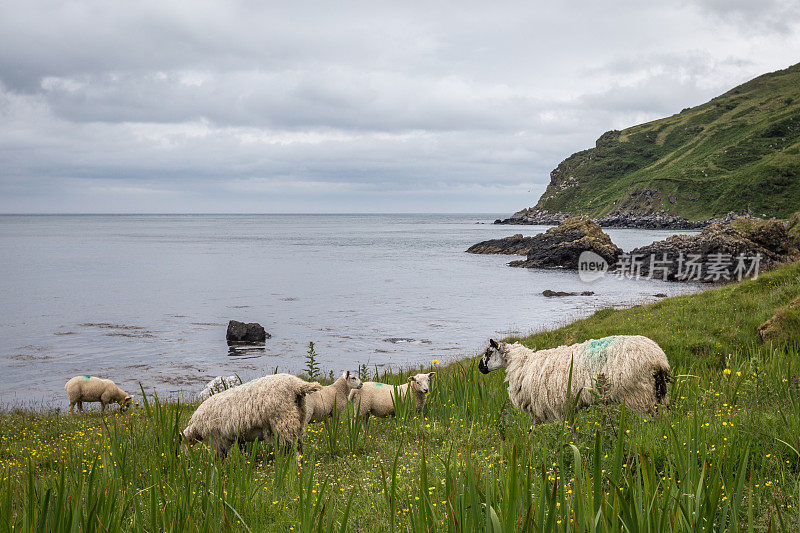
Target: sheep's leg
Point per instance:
(220, 448)
(532, 430)
(80, 406)
(102, 407)
(71, 407)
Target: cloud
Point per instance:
(244, 106)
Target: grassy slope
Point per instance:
(740, 150)
(725, 452)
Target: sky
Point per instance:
(326, 107)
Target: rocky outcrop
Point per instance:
(622, 219)
(516, 244)
(721, 252)
(242, 333)
(534, 217)
(562, 246)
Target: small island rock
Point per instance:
(245, 333)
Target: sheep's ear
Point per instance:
(410, 378)
(347, 375)
(493, 343)
(431, 374)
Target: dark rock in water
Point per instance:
(551, 294)
(516, 244)
(242, 333)
(721, 252)
(660, 295)
(562, 246)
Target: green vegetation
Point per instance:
(737, 152)
(724, 457)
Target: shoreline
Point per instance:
(652, 221)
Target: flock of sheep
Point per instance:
(282, 405)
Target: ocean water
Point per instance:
(145, 299)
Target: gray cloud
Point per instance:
(226, 106)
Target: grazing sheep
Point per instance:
(90, 389)
(218, 384)
(258, 409)
(635, 367)
(319, 405)
(376, 398)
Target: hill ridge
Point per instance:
(738, 153)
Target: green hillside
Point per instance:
(737, 152)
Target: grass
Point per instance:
(740, 151)
(724, 457)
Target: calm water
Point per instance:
(147, 298)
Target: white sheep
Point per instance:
(260, 409)
(218, 384)
(635, 368)
(90, 389)
(376, 399)
(319, 405)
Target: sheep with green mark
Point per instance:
(635, 368)
(90, 389)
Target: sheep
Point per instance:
(635, 367)
(218, 384)
(90, 389)
(319, 405)
(258, 409)
(376, 398)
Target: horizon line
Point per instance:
(346, 213)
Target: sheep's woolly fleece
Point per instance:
(218, 384)
(320, 404)
(91, 389)
(259, 409)
(632, 364)
(375, 398)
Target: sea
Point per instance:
(145, 299)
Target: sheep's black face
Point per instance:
(493, 358)
(482, 366)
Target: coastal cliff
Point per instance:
(736, 155)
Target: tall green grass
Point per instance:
(724, 457)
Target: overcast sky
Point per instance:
(202, 106)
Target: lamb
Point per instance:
(218, 384)
(258, 409)
(376, 398)
(319, 405)
(635, 367)
(90, 389)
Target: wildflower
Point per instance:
(727, 371)
(435, 362)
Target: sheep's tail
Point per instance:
(662, 378)
(301, 392)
